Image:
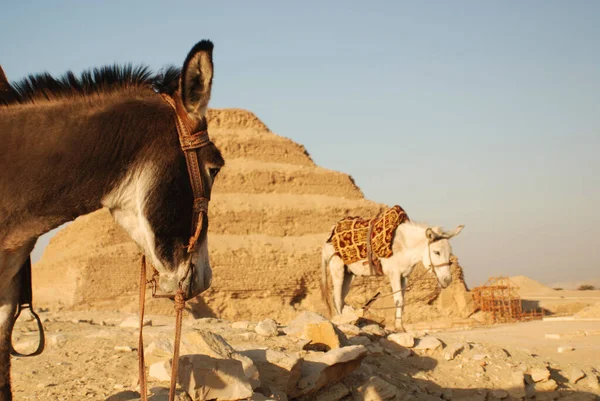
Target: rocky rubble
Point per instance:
(310, 358)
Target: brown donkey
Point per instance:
(72, 145)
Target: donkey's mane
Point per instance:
(107, 79)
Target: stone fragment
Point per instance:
(322, 335)
(375, 349)
(404, 339)
(453, 350)
(552, 336)
(499, 393)
(277, 370)
(349, 329)
(123, 348)
(243, 325)
(539, 374)
(574, 374)
(267, 328)
(133, 322)
(428, 343)
(316, 329)
(160, 371)
(545, 386)
(565, 348)
(591, 381)
(332, 393)
(348, 316)
(201, 342)
(394, 349)
(207, 378)
(373, 330)
(359, 340)
(375, 389)
(516, 385)
(296, 327)
(321, 369)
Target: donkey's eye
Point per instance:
(436, 252)
(213, 172)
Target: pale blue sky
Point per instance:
(465, 112)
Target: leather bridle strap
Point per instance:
(190, 144)
(431, 260)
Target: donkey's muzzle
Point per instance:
(199, 281)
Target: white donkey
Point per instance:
(413, 242)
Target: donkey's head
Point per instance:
(154, 202)
(436, 255)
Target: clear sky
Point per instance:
(465, 112)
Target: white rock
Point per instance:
(58, 340)
(160, 371)
(428, 343)
(394, 349)
(404, 339)
(211, 344)
(348, 316)
(565, 348)
(267, 328)
(296, 326)
(133, 322)
(244, 325)
(552, 336)
(123, 348)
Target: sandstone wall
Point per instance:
(272, 209)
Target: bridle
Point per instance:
(431, 265)
(190, 143)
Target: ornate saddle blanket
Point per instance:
(349, 237)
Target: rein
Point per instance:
(26, 302)
(190, 144)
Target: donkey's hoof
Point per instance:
(399, 328)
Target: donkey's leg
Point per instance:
(8, 302)
(10, 288)
(348, 277)
(336, 267)
(398, 286)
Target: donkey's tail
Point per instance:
(326, 258)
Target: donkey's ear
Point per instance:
(454, 232)
(430, 234)
(3, 81)
(196, 79)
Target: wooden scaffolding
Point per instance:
(499, 297)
